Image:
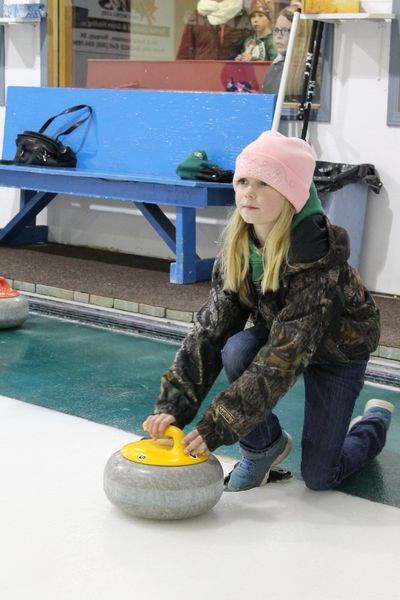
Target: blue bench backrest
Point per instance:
(142, 132)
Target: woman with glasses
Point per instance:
(281, 33)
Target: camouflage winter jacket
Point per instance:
(321, 313)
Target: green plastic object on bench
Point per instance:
(130, 152)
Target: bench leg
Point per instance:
(22, 228)
(157, 219)
(181, 239)
(188, 267)
(184, 269)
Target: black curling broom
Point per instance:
(307, 71)
(310, 79)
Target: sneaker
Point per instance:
(254, 472)
(378, 408)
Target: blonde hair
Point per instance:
(236, 253)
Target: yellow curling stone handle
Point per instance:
(165, 451)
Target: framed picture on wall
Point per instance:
(393, 114)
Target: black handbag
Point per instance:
(36, 148)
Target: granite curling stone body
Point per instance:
(14, 307)
(155, 479)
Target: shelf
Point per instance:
(9, 21)
(362, 16)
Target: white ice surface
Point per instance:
(61, 539)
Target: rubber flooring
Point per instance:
(133, 278)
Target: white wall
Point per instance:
(357, 133)
(22, 57)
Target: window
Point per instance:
(168, 45)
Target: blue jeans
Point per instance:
(329, 452)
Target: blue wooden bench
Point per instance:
(130, 152)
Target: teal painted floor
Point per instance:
(113, 378)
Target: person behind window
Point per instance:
(216, 31)
(281, 33)
(260, 45)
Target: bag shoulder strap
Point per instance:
(66, 112)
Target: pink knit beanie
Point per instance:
(285, 163)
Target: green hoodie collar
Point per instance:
(256, 261)
(313, 206)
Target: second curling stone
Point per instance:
(14, 307)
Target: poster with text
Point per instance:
(124, 28)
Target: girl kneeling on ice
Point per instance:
(284, 267)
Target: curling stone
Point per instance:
(13, 306)
(155, 479)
